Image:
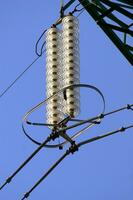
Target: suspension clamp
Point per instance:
(129, 107)
(54, 134)
(73, 148)
(122, 129)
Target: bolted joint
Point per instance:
(9, 180)
(101, 116)
(60, 147)
(54, 135)
(53, 26)
(129, 107)
(26, 195)
(96, 122)
(73, 148)
(122, 129)
(29, 123)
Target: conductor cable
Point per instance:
(19, 76)
(43, 44)
(73, 148)
(53, 135)
(39, 54)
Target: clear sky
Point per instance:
(101, 170)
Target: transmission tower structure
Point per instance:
(63, 85)
(115, 18)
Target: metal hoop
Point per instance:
(66, 128)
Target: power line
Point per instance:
(42, 46)
(19, 76)
(37, 53)
(72, 149)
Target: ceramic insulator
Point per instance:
(71, 63)
(54, 106)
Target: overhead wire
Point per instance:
(39, 54)
(73, 148)
(61, 5)
(122, 129)
(19, 76)
(9, 179)
(128, 107)
(56, 134)
(80, 12)
(46, 100)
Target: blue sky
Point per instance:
(100, 170)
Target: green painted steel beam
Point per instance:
(68, 4)
(110, 15)
(118, 8)
(130, 2)
(92, 10)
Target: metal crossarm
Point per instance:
(130, 2)
(101, 12)
(68, 4)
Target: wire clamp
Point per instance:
(129, 107)
(101, 116)
(26, 195)
(73, 148)
(54, 135)
(122, 129)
